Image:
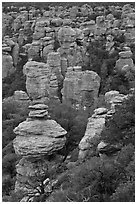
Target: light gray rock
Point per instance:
(125, 54)
(100, 111)
(38, 113)
(38, 107)
(38, 137)
(93, 132)
(7, 65)
(109, 96)
(38, 78)
(21, 95)
(81, 87)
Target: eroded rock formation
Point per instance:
(81, 87)
(96, 123)
(36, 140)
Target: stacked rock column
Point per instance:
(36, 140)
(56, 78)
(37, 80)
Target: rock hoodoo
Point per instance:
(37, 79)
(57, 48)
(96, 123)
(36, 140)
(81, 87)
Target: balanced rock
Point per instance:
(38, 107)
(100, 111)
(21, 95)
(125, 54)
(38, 137)
(38, 111)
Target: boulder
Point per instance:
(109, 96)
(120, 63)
(38, 107)
(100, 111)
(21, 95)
(66, 34)
(125, 54)
(38, 113)
(38, 137)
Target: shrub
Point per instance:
(124, 193)
(121, 127)
(73, 121)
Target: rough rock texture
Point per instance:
(124, 59)
(81, 87)
(7, 65)
(69, 49)
(37, 80)
(93, 131)
(56, 44)
(38, 137)
(114, 98)
(96, 123)
(21, 95)
(36, 140)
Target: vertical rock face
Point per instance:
(37, 79)
(37, 138)
(81, 87)
(7, 65)
(93, 131)
(56, 78)
(6, 20)
(69, 49)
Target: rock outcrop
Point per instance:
(81, 87)
(57, 44)
(124, 59)
(37, 79)
(36, 140)
(7, 65)
(95, 125)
